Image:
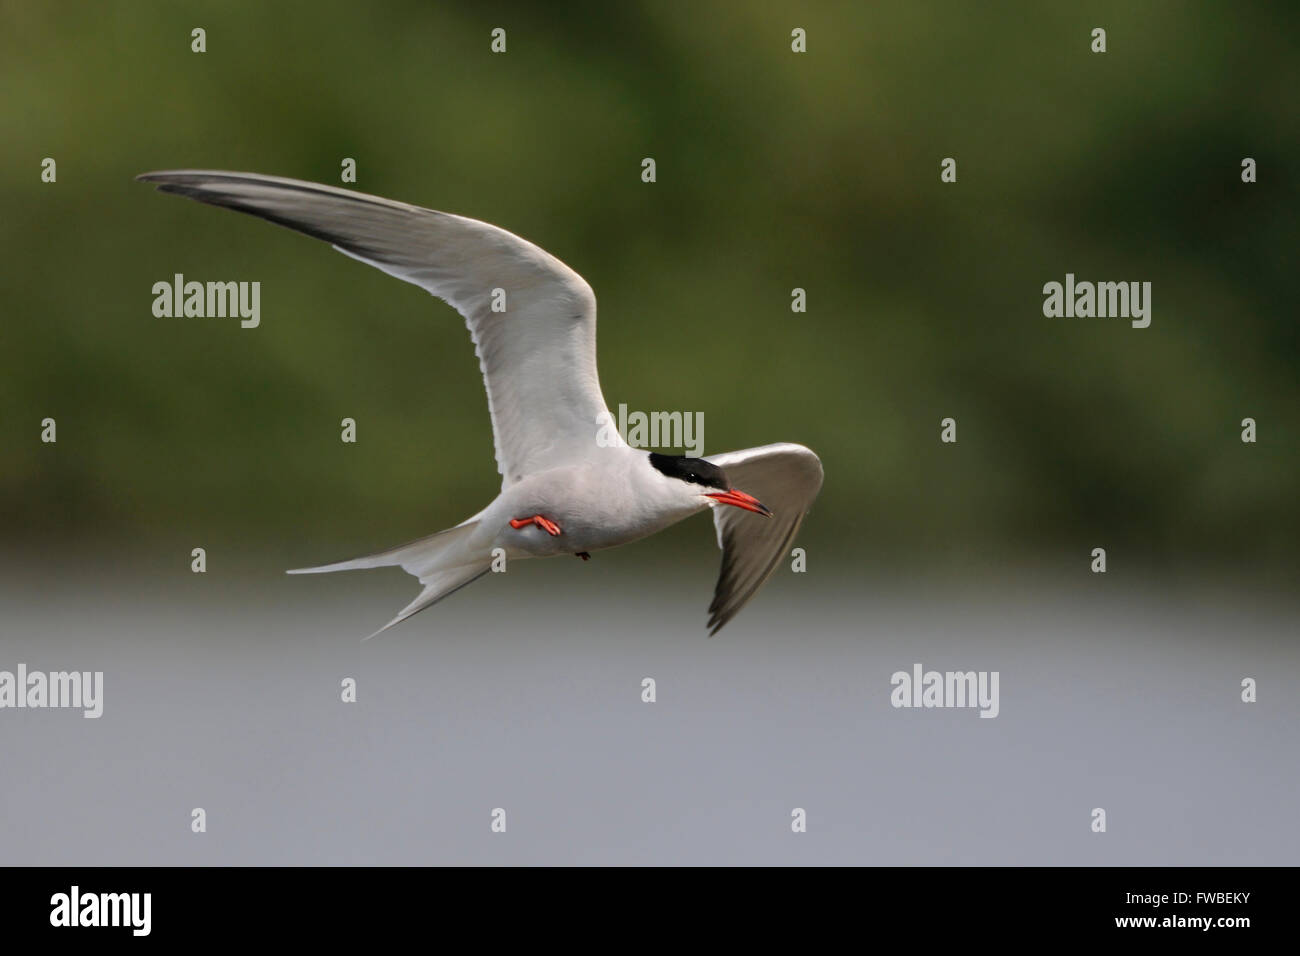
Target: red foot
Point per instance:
(550, 527)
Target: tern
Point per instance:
(565, 487)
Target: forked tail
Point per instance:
(444, 563)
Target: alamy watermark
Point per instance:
(684, 430)
(75, 908)
(217, 300)
(38, 689)
(1104, 300)
(922, 688)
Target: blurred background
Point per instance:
(774, 171)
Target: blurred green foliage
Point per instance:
(775, 170)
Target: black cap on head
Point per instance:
(695, 470)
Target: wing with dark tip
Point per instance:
(787, 479)
(538, 357)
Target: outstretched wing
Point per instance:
(787, 479)
(538, 357)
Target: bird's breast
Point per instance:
(595, 509)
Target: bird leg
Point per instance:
(550, 527)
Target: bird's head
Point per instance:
(704, 479)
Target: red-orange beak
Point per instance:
(741, 500)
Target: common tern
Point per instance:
(564, 489)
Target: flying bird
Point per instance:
(565, 487)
